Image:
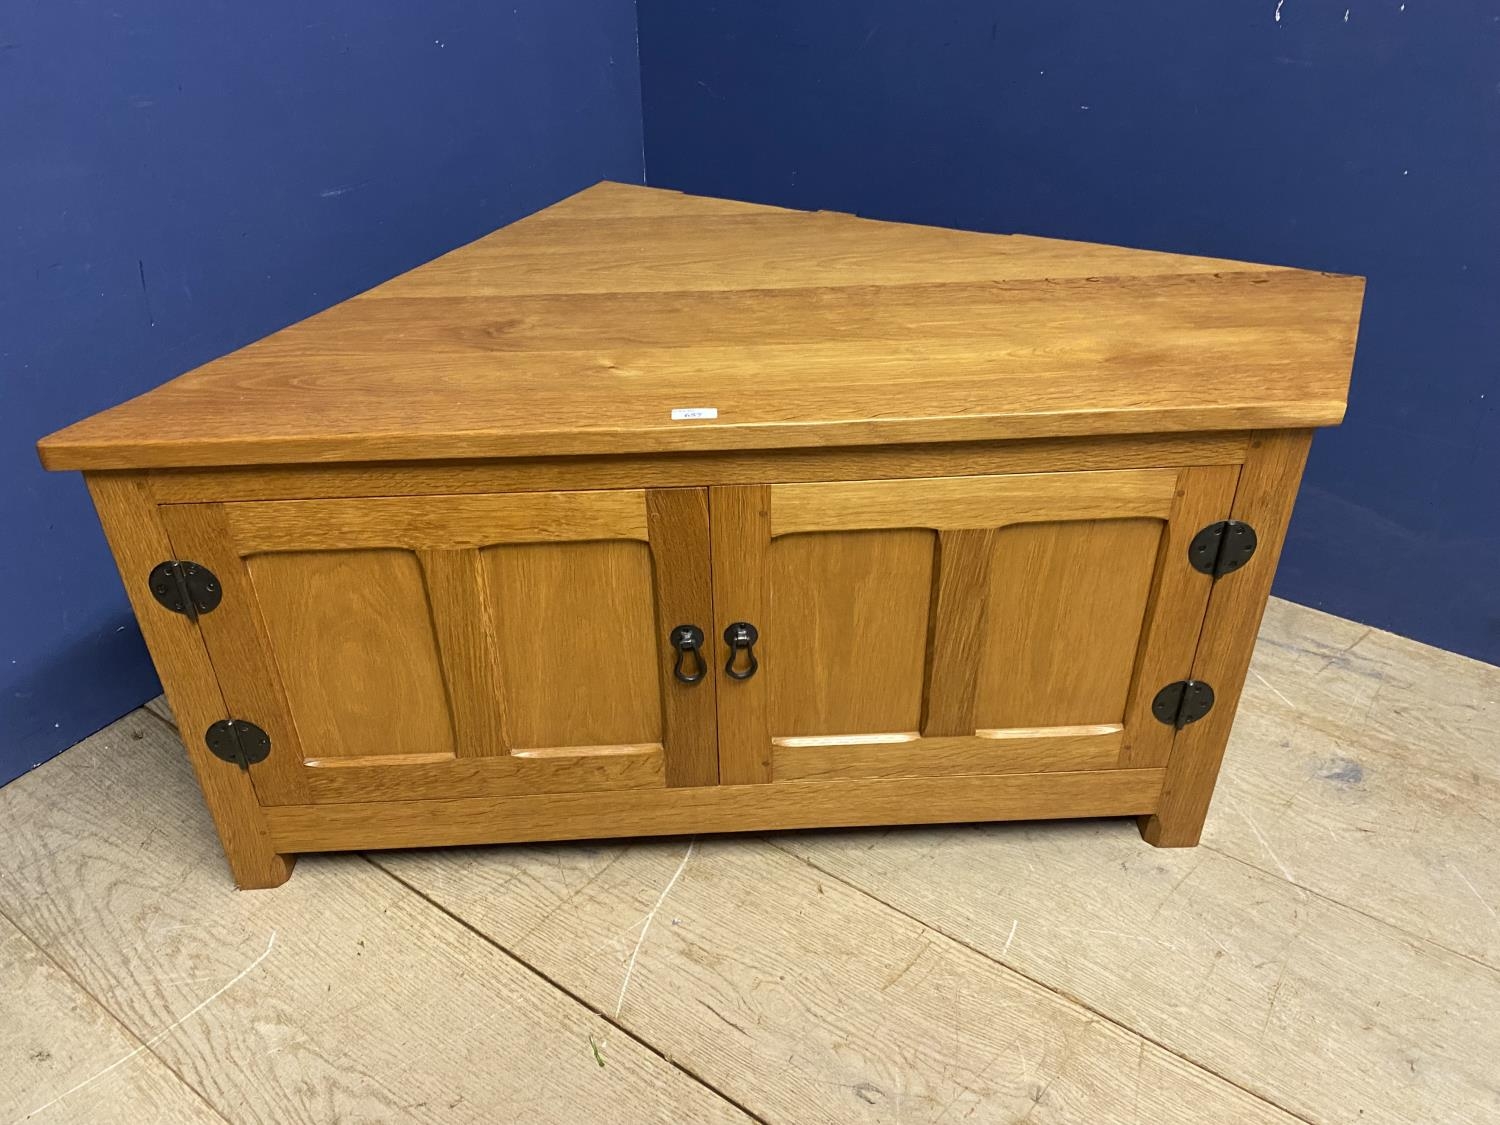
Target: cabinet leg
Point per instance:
(253, 861)
(1177, 830)
(258, 869)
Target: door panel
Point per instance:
(827, 641)
(578, 647)
(1066, 604)
(409, 648)
(352, 639)
(958, 625)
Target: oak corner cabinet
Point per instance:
(656, 514)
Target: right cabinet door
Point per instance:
(956, 625)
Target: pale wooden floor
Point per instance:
(1330, 954)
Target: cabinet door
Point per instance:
(958, 625)
(433, 646)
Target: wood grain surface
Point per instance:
(339, 997)
(459, 645)
(1066, 605)
(951, 606)
(454, 523)
(1332, 944)
(578, 332)
(945, 503)
(845, 632)
(352, 636)
(545, 474)
(1263, 498)
(1296, 998)
(55, 1039)
(577, 640)
(139, 540)
(809, 1001)
(955, 625)
(1363, 767)
(239, 644)
(679, 531)
(1174, 613)
(1328, 955)
(1038, 750)
(404, 823)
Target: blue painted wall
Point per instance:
(1363, 142)
(178, 179)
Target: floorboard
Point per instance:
(1366, 767)
(1317, 1008)
(64, 1058)
(806, 1000)
(341, 996)
(1330, 954)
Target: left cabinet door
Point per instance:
(399, 648)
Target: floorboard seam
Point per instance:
(142, 1042)
(1075, 1000)
(857, 889)
(1391, 926)
(1217, 851)
(675, 1064)
(162, 719)
(1386, 922)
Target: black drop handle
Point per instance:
(688, 639)
(741, 636)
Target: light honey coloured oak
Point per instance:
(660, 514)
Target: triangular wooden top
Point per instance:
(581, 329)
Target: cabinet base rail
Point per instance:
(723, 808)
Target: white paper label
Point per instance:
(688, 413)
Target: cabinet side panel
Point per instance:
(1264, 498)
(139, 541)
(240, 648)
(1179, 596)
(1067, 601)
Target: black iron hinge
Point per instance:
(185, 587)
(237, 741)
(1222, 547)
(1183, 702)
